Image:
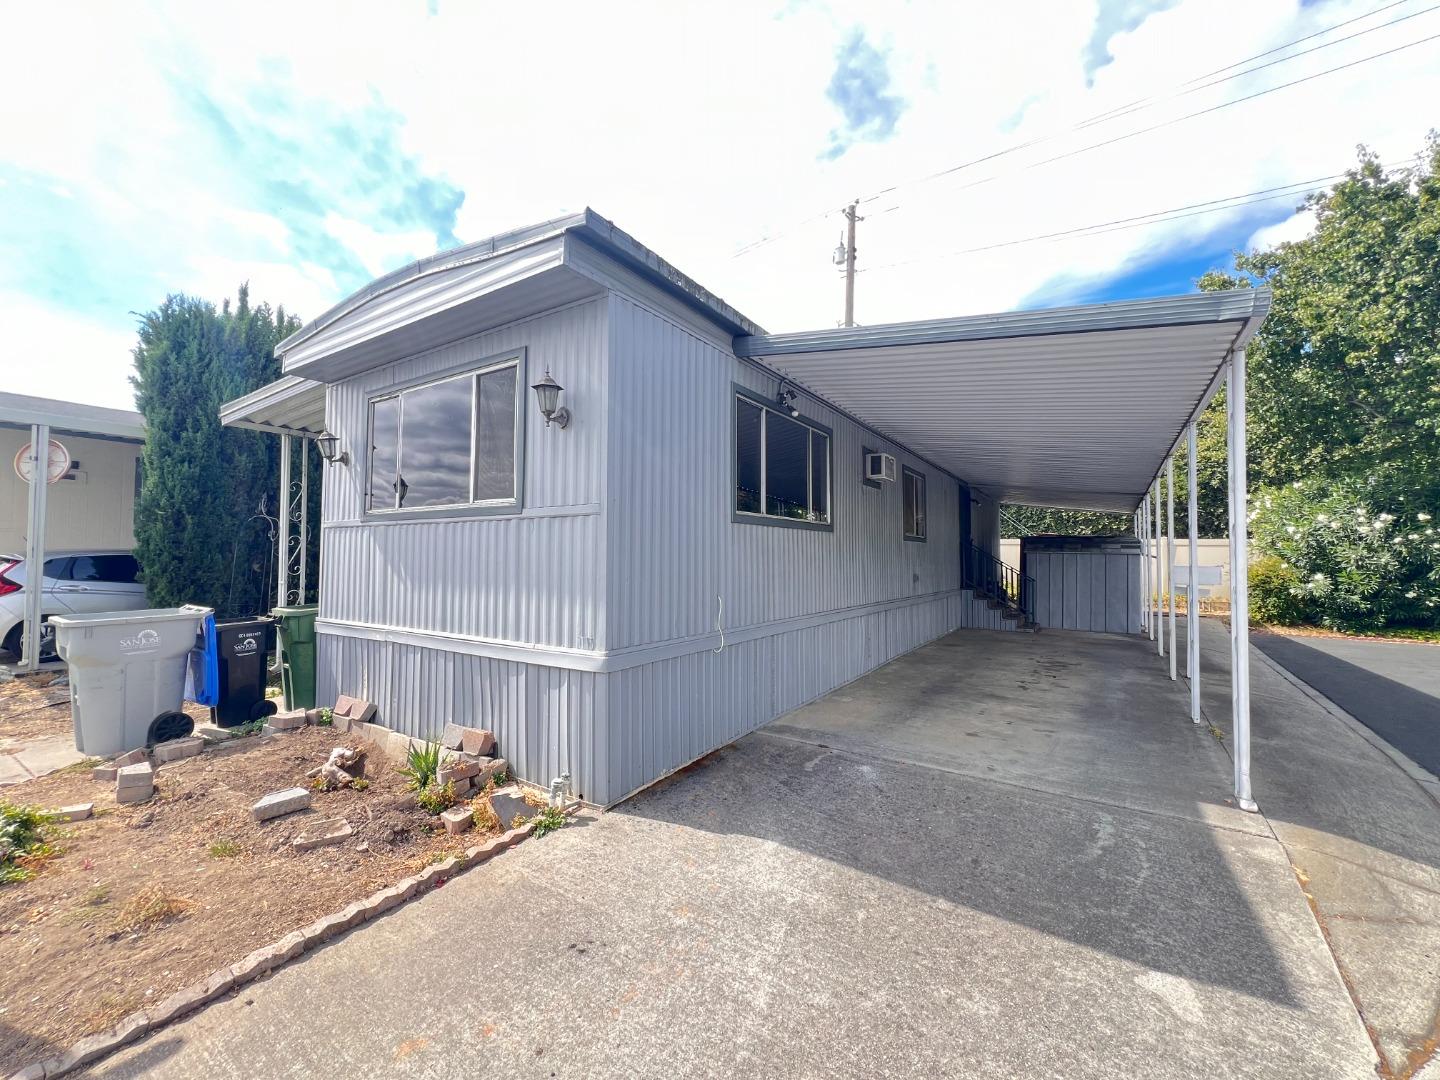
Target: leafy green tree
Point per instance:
(198, 538)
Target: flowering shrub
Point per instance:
(1344, 561)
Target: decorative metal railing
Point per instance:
(989, 577)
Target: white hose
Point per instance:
(719, 622)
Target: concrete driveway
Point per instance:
(1392, 687)
(1000, 856)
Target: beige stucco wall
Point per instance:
(1213, 552)
(95, 509)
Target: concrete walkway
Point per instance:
(1392, 687)
(1003, 855)
(25, 759)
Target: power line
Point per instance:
(1211, 206)
(1144, 103)
(1127, 109)
(1202, 112)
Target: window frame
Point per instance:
(473, 370)
(769, 405)
(922, 536)
(865, 452)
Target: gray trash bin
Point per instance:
(127, 675)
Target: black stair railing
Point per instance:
(986, 575)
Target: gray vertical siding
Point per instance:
(533, 578)
(583, 630)
(1086, 590)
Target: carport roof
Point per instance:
(1072, 407)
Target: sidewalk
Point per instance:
(1364, 839)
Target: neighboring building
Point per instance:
(699, 549)
(93, 505)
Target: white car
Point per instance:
(75, 582)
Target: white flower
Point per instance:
(1317, 577)
(1291, 529)
(1413, 536)
(1296, 484)
(1423, 517)
(1386, 517)
(1410, 595)
(1321, 517)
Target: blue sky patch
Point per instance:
(860, 89)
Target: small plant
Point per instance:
(484, 816)
(548, 820)
(224, 849)
(327, 718)
(435, 800)
(250, 727)
(84, 765)
(22, 841)
(360, 784)
(151, 906)
(422, 763)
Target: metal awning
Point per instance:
(288, 406)
(1072, 407)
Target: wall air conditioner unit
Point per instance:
(880, 467)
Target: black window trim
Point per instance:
(915, 538)
(739, 517)
(518, 358)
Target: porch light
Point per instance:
(329, 447)
(547, 393)
(785, 398)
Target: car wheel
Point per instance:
(12, 642)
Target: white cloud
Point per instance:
(55, 354)
(700, 128)
(1296, 227)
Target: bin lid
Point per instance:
(144, 615)
(310, 609)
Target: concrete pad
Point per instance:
(1086, 715)
(780, 911)
(26, 759)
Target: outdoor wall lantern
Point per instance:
(547, 393)
(329, 447)
(785, 398)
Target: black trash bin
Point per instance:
(242, 655)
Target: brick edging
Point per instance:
(270, 957)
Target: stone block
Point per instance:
(279, 803)
(463, 787)
(508, 804)
(343, 704)
(314, 716)
(177, 749)
(133, 1026)
(134, 776)
(397, 746)
(452, 737)
(104, 773)
(341, 722)
(322, 833)
(474, 741)
(457, 770)
(135, 794)
(366, 714)
(214, 733)
(78, 812)
(492, 768)
(288, 721)
(177, 1005)
(131, 757)
(457, 820)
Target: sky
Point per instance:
(306, 148)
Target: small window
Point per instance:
(58, 569)
(447, 443)
(782, 466)
(914, 484)
(120, 569)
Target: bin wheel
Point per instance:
(169, 725)
(262, 709)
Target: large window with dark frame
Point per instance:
(451, 442)
(782, 466)
(914, 498)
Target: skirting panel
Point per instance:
(617, 732)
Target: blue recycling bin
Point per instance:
(227, 670)
(202, 670)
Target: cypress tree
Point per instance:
(199, 538)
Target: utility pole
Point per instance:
(848, 254)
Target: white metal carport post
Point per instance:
(35, 545)
(1192, 590)
(1146, 585)
(1239, 581)
(1170, 553)
(1159, 634)
(1144, 568)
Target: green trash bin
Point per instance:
(297, 655)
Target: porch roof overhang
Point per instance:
(1071, 407)
(288, 406)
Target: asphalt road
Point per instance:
(1392, 687)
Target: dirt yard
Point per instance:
(142, 900)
